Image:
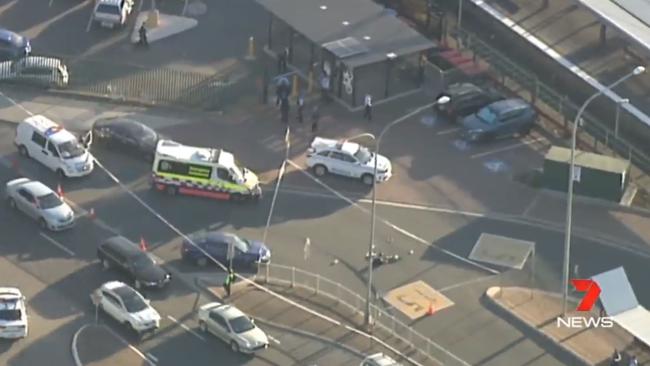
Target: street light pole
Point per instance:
(569, 207)
(442, 100)
(460, 14)
(619, 104)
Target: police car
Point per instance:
(203, 172)
(348, 159)
(13, 315)
(50, 144)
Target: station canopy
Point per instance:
(359, 32)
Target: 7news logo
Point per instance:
(592, 292)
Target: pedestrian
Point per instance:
(301, 104)
(633, 361)
(281, 90)
(143, 36)
(616, 358)
(315, 117)
(367, 107)
(284, 110)
(227, 283)
(325, 87)
(282, 61)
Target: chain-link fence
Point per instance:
(403, 333)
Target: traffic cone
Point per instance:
(251, 49)
(295, 86)
(91, 213)
(430, 310)
(143, 244)
(59, 190)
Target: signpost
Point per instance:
(96, 298)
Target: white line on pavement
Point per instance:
(273, 339)
(506, 148)
(57, 244)
(448, 131)
(152, 357)
(391, 225)
(465, 283)
(90, 22)
(197, 335)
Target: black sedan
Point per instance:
(465, 99)
(126, 135)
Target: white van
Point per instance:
(53, 146)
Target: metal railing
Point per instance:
(295, 277)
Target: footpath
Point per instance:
(97, 345)
(537, 310)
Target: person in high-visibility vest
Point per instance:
(230, 278)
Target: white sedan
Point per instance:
(13, 315)
(348, 159)
(41, 203)
(127, 306)
(233, 327)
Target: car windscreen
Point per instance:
(241, 324)
(108, 9)
(71, 149)
(9, 310)
(240, 243)
(133, 303)
(142, 260)
(48, 201)
(487, 115)
(363, 155)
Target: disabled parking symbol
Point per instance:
(496, 166)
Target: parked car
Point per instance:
(36, 70)
(39, 202)
(504, 118)
(127, 306)
(13, 46)
(13, 313)
(247, 253)
(348, 159)
(127, 135)
(232, 326)
(120, 253)
(465, 99)
(112, 13)
(379, 359)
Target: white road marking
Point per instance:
(531, 205)
(465, 283)
(391, 225)
(448, 131)
(57, 244)
(152, 357)
(51, 2)
(90, 22)
(133, 348)
(197, 335)
(273, 339)
(506, 148)
(287, 141)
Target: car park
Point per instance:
(120, 253)
(13, 46)
(39, 202)
(112, 13)
(13, 314)
(348, 159)
(37, 71)
(504, 118)
(127, 306)
(52, 145)
(232, 326)
(127, 135)
(245, 253)
(379, 359)
(465, 99)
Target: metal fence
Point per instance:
(295, 277)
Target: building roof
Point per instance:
(360, 32)
(588, 160)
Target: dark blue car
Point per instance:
(13, 46)
(504, 118)
(246, 252)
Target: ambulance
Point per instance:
(203, 172)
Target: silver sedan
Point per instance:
(40, 203)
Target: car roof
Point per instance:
(49, 128)
(212, 236)
(109, 2)
(41, 61)
(320, 143)
(122, 244)
(10, 293)
(509, 104)
(36, 188)
(113, 285)
(9, 36)
(228, 311)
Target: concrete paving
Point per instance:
(97, 345)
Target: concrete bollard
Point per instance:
(153, 20)
(251, 49)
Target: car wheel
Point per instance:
(171, 190)
(11, 203)
(234, 346)
(320, 170)
(202, 262)
(203, 326)
(106, 264)
(367, 179)
(61, 173)
(22, 150)
(42, 223)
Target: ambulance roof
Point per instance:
(182, 152)
(52, 130)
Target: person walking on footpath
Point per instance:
(282, 61)
(616, 358)
(143, 35)
(367, 107)
(633, 361)
(284, 110)
(315, 117)
(227, 283)
(325, 87)
(300, 103)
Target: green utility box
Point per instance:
(595, 175)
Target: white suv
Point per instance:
(111, 13)
(13, 317)
(347, 159)
(127, 306)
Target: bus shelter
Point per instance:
(360, 46)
